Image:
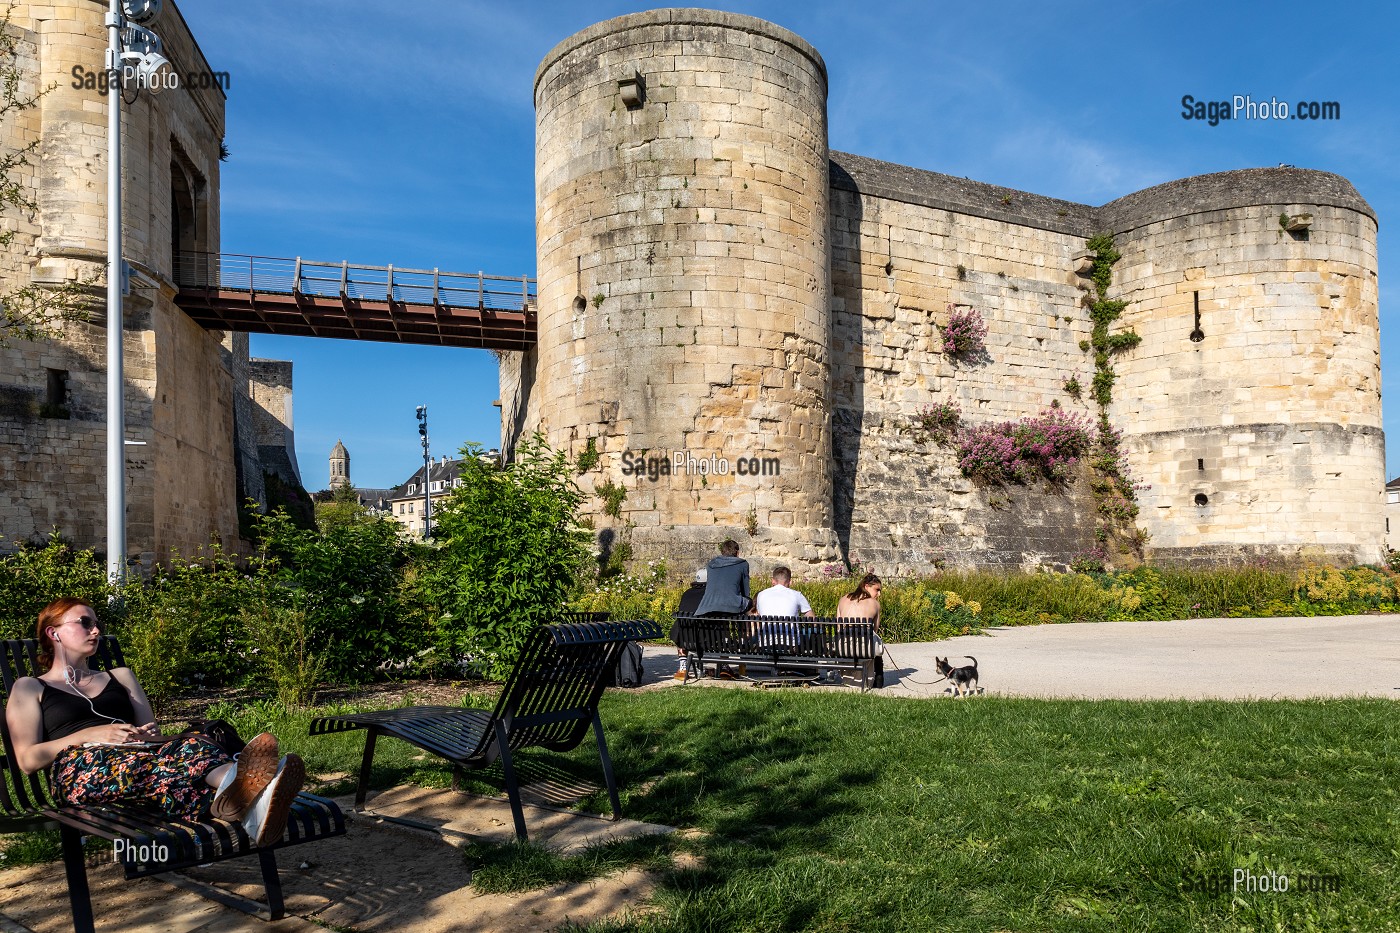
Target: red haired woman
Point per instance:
(94, 731)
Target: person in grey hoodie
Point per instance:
(727, 592)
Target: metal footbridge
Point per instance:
(301, 298)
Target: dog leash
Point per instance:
(921, 683)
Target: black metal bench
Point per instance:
(549, 701)
(26, 805)
(818, 643)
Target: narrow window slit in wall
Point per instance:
(1197, 335)
(1200, 464)
(56, 394)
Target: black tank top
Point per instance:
(65, 713)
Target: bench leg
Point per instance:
(607, 767)
(363, 787)
(272, 884)
(76, 869)
(512, 788)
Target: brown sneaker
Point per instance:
(266, 820)
(678, 675)
(253, 770)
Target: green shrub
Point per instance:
(35, 576)
(181, 627)
(282, 640)
(347, 580)
(511, 552)
(633, 596)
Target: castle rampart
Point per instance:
(684, 293)
(709, 280)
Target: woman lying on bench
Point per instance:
(94, 730)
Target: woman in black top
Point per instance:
(94, 730)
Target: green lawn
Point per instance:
(837, 811)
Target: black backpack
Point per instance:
(629, 666)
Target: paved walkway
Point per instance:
(1193, 658)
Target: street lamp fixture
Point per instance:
(142, 59)
(427, 471)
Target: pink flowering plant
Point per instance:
(940, 421)
(1044, 447)
(965, 333)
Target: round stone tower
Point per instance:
(681, 191)
(1252, 407)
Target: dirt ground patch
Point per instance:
(381, 876)
(193, 704)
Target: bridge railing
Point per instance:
(271, 275)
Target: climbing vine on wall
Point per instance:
(1112, 482)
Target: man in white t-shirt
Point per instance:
(780, 600)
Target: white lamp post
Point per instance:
(142, 51)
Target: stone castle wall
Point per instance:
(683, 275)
(905, 248)
(1273, 416)
(699, 221)
(180, 387)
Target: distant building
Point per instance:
(375, 501)
(406, 506)
(445, 475)
(340, 465)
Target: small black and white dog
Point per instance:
(964, 678)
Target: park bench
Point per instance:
(549, 701)
(817, 644)
(159, 842)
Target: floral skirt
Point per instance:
(171, 776)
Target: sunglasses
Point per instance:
(87, 622)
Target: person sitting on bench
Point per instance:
(781, 600)
(94, 730)
(726, 592)
(864, 603)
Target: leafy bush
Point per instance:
(182, 626)
(282, 639)
(347, 581)
(940, 421)
(33, 577)
(633, 596)
(512, 551)
(1090, 561)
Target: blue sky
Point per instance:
(406, 136)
